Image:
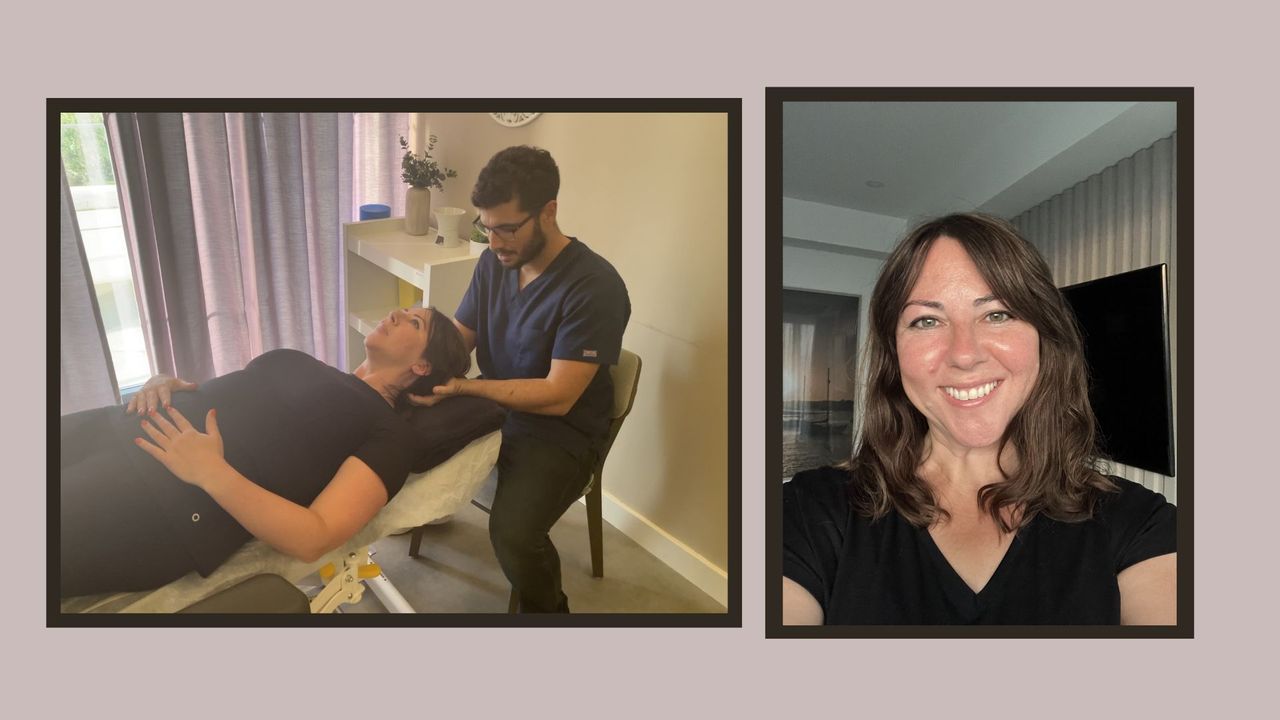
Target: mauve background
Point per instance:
(681, 49)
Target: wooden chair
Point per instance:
(626, 378)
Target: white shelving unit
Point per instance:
(380, 254)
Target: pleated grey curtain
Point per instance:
(1123, 218)
(234, 223)
(87, 377)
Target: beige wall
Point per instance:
(649, 192)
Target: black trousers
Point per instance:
(537, 482)
(111, 534)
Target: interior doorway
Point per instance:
(819, 371)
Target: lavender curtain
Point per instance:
(234, 223)
(376, 176)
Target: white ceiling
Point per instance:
(938, 157)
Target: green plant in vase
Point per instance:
(421, 172)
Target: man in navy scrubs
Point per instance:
(545, 315)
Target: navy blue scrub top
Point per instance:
(577, 309)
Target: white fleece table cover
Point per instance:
(425, 497)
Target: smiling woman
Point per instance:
(974, 495)
(967, 363)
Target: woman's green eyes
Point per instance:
(924, 323)
(928, 322)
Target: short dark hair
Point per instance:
(446, 352)
(1053, 432)
(523, 172)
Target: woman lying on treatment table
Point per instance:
(289, 450)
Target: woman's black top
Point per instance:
(288, 422)
(889, 572)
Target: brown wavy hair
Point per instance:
(446, 352)
(1053, 433)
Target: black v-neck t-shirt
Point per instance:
(889, 572)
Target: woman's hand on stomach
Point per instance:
(195, 457)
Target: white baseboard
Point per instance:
(709, 578)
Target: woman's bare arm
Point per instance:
(799, 607)
(346, 504)
(1149, 592)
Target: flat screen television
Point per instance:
(1125, 322)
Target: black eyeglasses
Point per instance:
(504, 231)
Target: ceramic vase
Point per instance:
(447, 220)
(417, 211)
(477, 248)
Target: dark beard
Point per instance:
(537, 242)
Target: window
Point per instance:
(87, 160)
